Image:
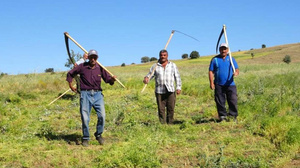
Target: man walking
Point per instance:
(166, 73)
(91, 94)
(221, 80)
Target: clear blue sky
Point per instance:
(123, 31)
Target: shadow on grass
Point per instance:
(207, 120)
(69, 96)
(71, 139)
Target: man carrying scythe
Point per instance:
(91, 95)
(165, 73)
(221, 80)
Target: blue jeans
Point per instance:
(89, 99)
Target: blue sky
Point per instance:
(123, 31)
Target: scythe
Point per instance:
(223, 31)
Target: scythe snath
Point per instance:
(223, 31)
(67, 37)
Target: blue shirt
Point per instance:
(222, 70)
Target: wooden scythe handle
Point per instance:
(172, 33)
(226, 40)
(67, 34)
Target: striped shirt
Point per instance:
(165, 78)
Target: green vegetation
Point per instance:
(34, 134)
(194, 55)
(287, 59)
(184, 56)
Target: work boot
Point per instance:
(100, 139)
(85, 142)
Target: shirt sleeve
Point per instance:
(105, 75)
(151, 69)
(177, 78)
(235, 63)
(211, 66)
(72, 73)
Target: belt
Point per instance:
(95, 90)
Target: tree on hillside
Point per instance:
(184, 56)
(153, 59)
(49, 70)
(287, 59)
(3, 74)
(122, 65)
(145, 59)
(75, 57)
(194, 55)
(252, 55)
(263, 46)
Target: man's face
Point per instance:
(223, 51)
(163, 57)
(93, 59)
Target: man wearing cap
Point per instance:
(91, 94)
(222, 81)
(166, 73)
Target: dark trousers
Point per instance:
(164, 101)
(223, 93)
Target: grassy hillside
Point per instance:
(34, 134)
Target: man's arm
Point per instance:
(237, 72)
(211, 79)
(146, 78)
(177, 80)
(70, 76)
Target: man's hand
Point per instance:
(146, 80)
(212, 86)
(72, 88)
(112, 80)
(237, 72)
(178, 92)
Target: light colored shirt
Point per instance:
(80, 61)
(165, 78)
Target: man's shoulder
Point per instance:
(172, 64)
(215, 57)
(83, 65)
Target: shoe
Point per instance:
(100, 139)
(223, 118)
(85, 142)
(234, 119)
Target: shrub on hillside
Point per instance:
(184, 56)
(49, 70)
(287, 59)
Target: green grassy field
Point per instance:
(34, 134)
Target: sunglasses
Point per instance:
(93, 57)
